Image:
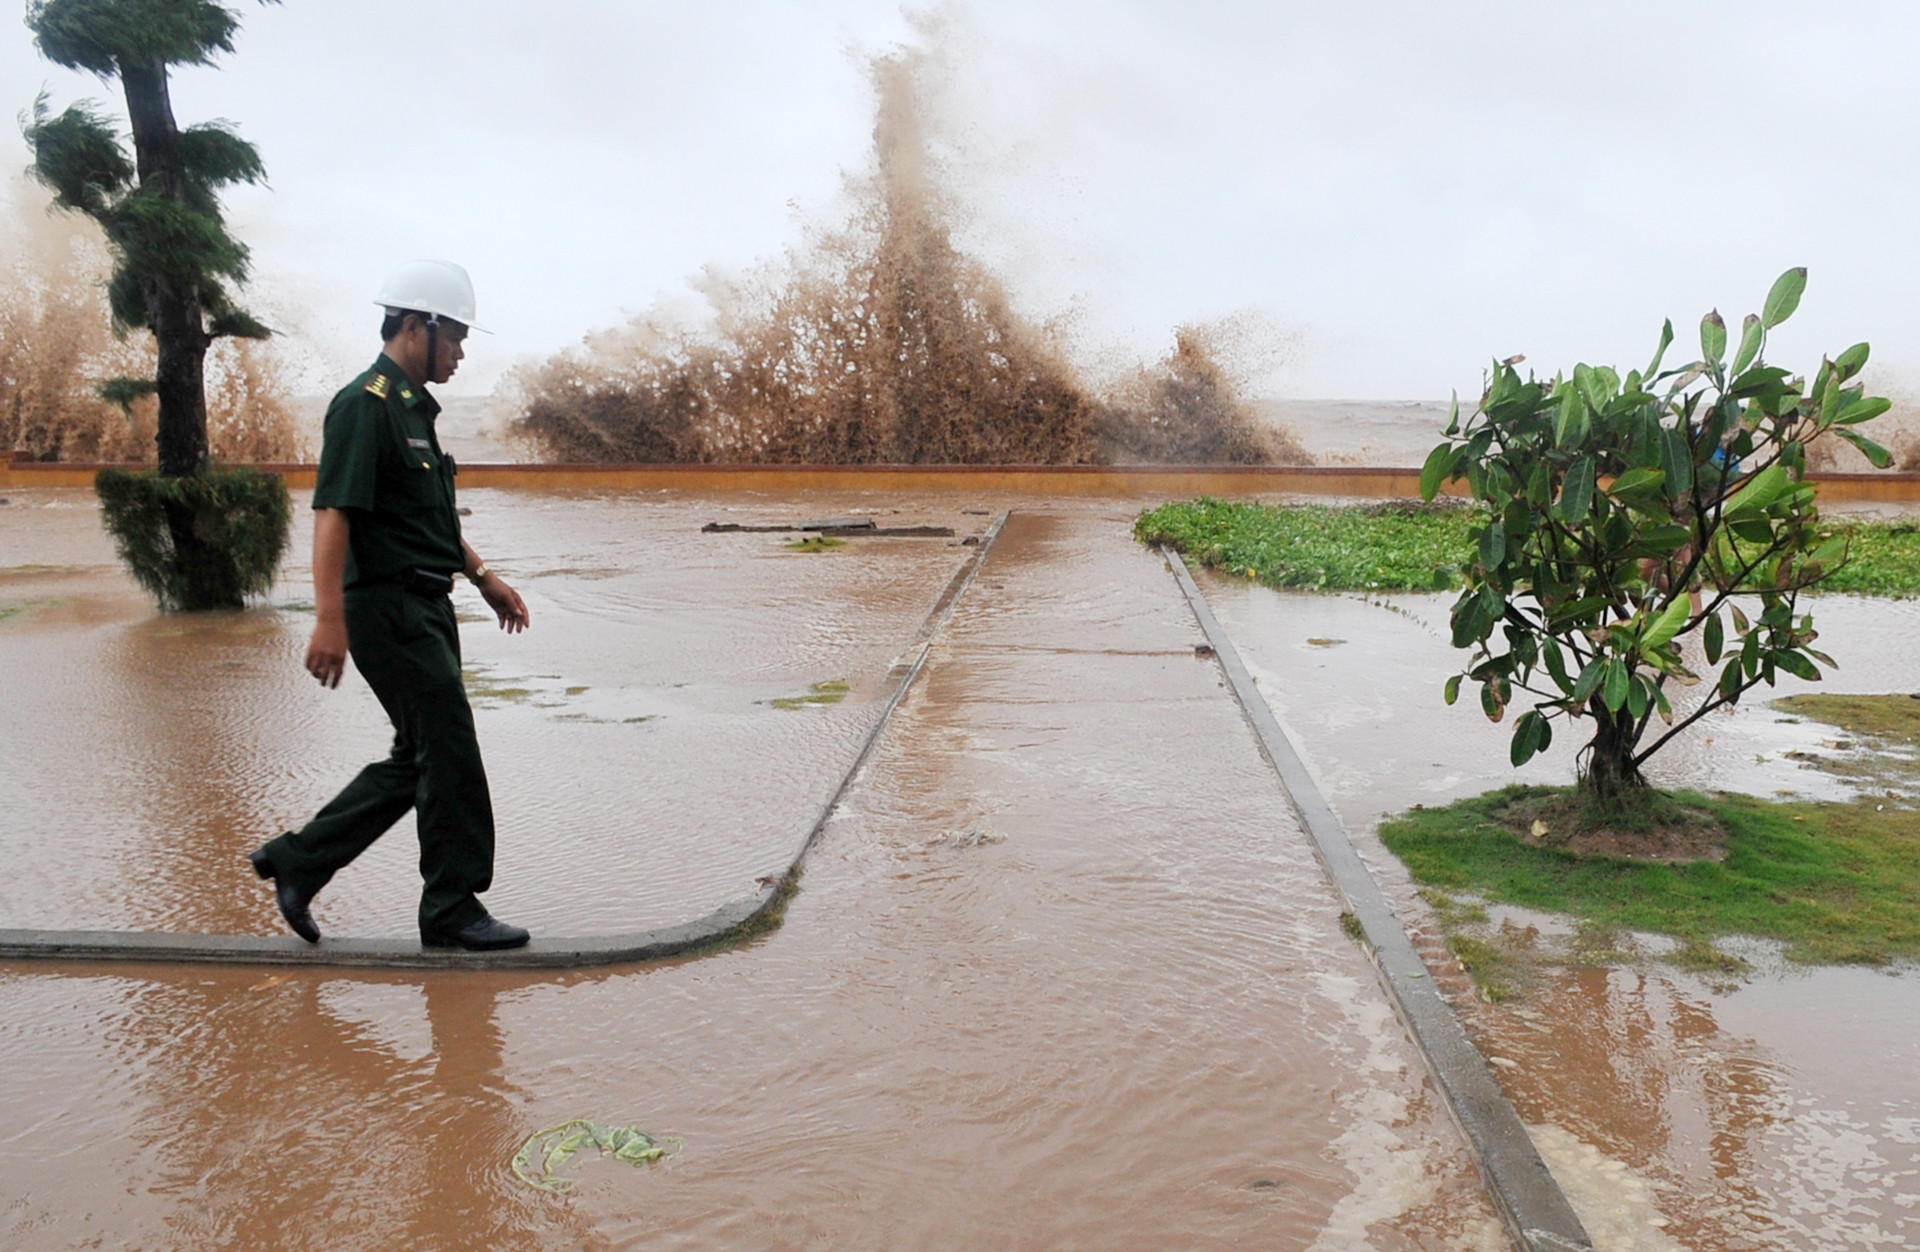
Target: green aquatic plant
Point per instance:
(832, 691)
(816, 543)
(1375, 547)
(546, 1152)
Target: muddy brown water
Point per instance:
(1062, 972)
(1779, 1110)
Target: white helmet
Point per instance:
(439, 288)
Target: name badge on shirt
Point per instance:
(418, 443)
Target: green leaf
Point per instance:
(1751, 336)
(1639, 696)
(1569, 416)
(1880, 457)
(1453, 689)
(1759, 492)
(1661, 541)
(1666, 341)
(1592, 385)
(1713, 337)
(1490, 702)
(1668, 624)
(1676, 459)
(1760, 380)
(1576, 492)
(1576, 609)
(1637, 481)
(1797, 665)
(1740, 623)
(1784, 298)
(1852, 361)
(1862, 409)
(1453, 415)
(1526, 737)
(1493, 545)
(1730, 681)
(1713, 638)
(1557, 665)
(1590, 678)
(1436, 471)
(1614, 691)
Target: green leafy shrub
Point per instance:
(1619, 516)
(235, 523)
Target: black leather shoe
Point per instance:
(489, 934)
(293, 902)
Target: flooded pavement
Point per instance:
(1062, 971)
(659, 726)
(1781, 1110)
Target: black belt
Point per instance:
(426, 582)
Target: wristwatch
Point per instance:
(479, 573)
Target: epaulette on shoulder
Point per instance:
(377, 385)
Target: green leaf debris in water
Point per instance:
(816, 543)
(833, 691)
(545, 1153)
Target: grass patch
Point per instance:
(1882, 756)
(816, 543)
(833, 691)
(1399, 546)
(1494, 966)
(1894, 719)
(1834, 883)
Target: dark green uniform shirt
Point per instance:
(381, 461)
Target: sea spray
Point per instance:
(878, 342)
(57, 347)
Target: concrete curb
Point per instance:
(728, 922)
(1530, 1202)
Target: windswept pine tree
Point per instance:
(175, 271)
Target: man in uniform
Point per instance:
(386, 547)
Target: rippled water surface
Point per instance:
(1777, 1111)
(1062, 972)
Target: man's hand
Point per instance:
(327, 651)
(505, 603)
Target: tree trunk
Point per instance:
(207, 576)
(174, 314)
(1609, 774)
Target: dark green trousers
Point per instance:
(407, 647)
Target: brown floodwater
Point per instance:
(1062, 972)
(1776, 1110)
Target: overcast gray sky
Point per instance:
(1403, 189)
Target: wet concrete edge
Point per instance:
(1529, 1200)
(728, 923)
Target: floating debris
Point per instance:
(545, 1153)
(815, 543)
(832, 691)
(843, 526)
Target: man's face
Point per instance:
(451, 351)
